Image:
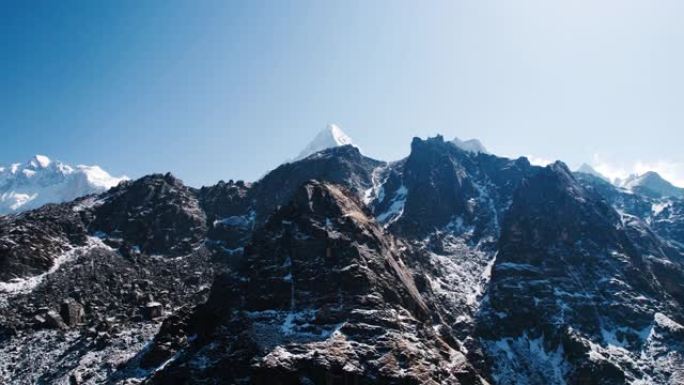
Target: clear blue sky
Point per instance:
(219, 90)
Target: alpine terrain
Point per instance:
(41, 180)
(450, 266)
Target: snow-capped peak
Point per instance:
(338, 135)
(471, 145)
(587, 169)
(40, 181)
(40, 161)
(331, 136)
(652, 184)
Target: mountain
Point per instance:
(567, 276)
(449, 266)
(40, 180)
(652, 184)
(587, 169)
(328, 298)
(332, 136)
(649, 184)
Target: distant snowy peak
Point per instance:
(331, 136)
(40, 181)
(587, 169)
(472, 145)
(40, 161)
(652, 184)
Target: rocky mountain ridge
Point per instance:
(450, 266)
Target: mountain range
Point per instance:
(649, 183)
(40, 180)
(450, 266)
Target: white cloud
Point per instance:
(609, 169)
(671, 171)
(537, 161)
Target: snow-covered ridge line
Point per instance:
(396, 209)
(649, 182)
(41, 180)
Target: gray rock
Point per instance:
(72, 312)
(153, 310)
(54, 320)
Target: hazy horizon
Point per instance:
(196, 89)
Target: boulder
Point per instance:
(75, 379)
(153, 310)
(72, 312)
(54, 320)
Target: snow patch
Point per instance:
(658, 207)
(25, 285)
(239, 221)
(396, 209)
(525, 360)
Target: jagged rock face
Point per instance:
(341, 165)
(327, 220)
(667, 221)
(440, 174)
(235, 210)
(30, 242)
(662, 216)
(224, 200)
(322, 296)
(230, 214)
(458, 267)
(157, 214)
(571, 214)
(569, 286)
(442, 186)
(627, 202)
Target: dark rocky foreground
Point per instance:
(447, 267)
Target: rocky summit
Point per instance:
(451, 266)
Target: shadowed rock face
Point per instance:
(568, 275)
(322, 295)
(343, 165)
(326, 238)
(224, 200)
(229, 208)
(442, 185)
(235, 209)
(662, 216)
(157, 214)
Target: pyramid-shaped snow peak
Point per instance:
(331, 136)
